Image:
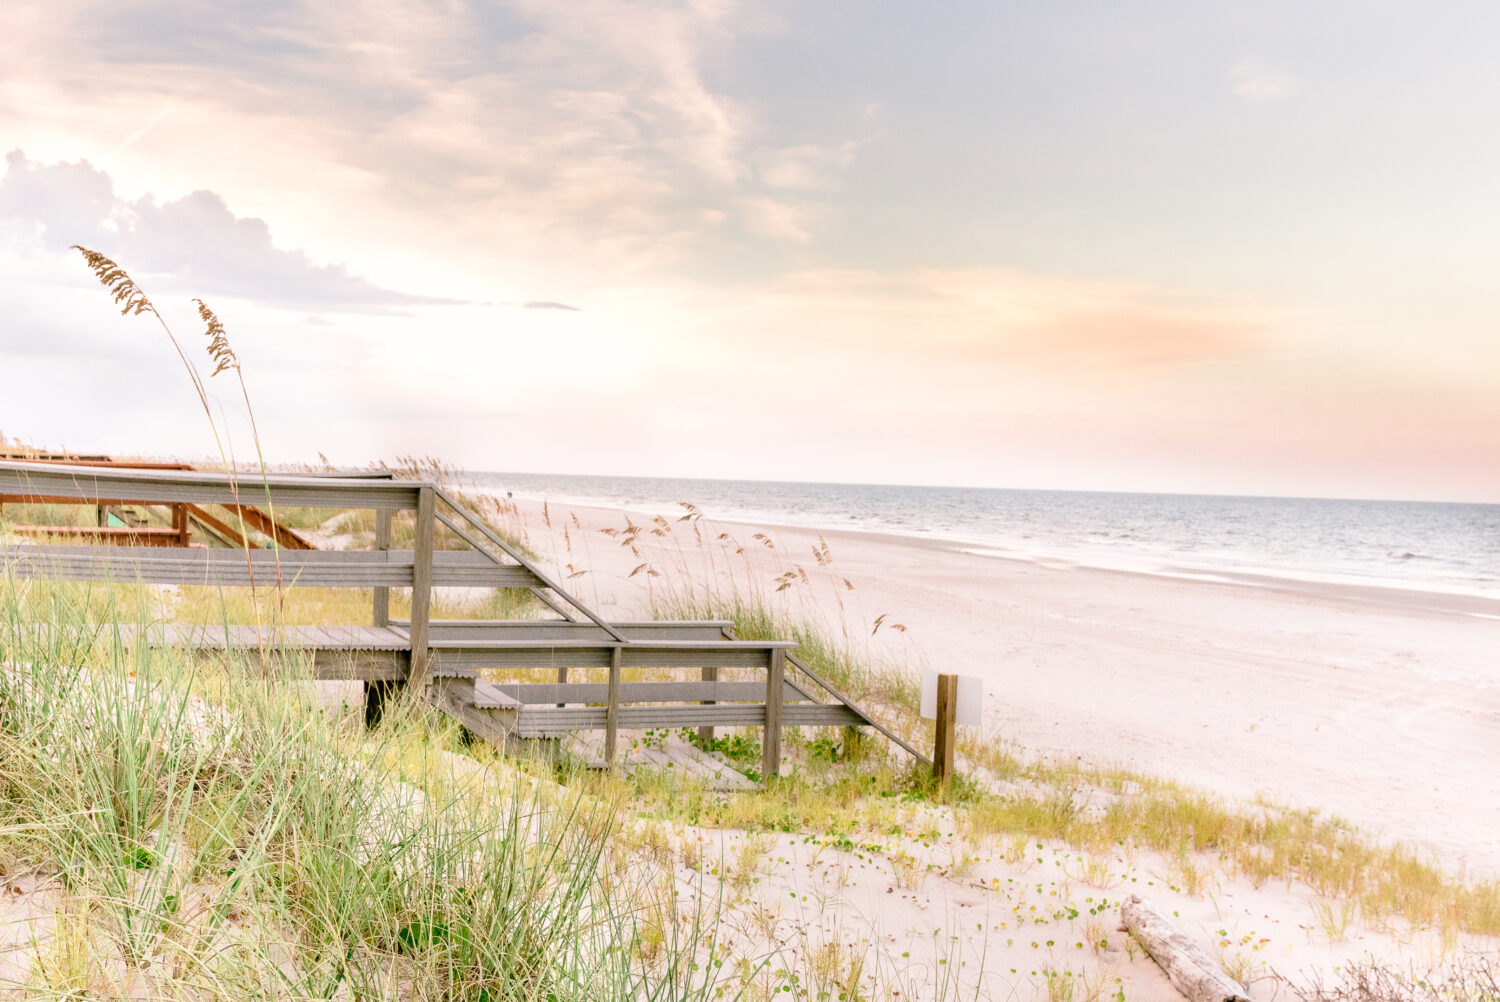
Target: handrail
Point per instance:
(232, 567)
(836, 694)
(95, 483)
(521, 559)
(382, 568)
(797, 663)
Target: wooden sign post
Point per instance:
(947, 716)
(948, 701)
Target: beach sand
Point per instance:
(1381, 707)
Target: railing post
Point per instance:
(612, 708)
(421, 588)
(770, 756)
(706, 734)
(947, 711)
(180, 523)
(382, 542)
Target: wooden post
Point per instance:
(382, 542)
(612, 708)
(706, 734)
(770, 754)
(942, 743)
(421, 588)
(377, 693)
(562, 678)
(180, 523)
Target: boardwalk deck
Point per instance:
(451, 662)
(363, 653)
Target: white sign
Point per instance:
(970, 706)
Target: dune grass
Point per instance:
(196, 832)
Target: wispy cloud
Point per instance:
(601, 124)
(1256, 80)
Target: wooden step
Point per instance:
(672, 754)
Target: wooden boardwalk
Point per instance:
(458, 665)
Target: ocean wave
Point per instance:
(1438, 548)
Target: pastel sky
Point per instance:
(1173, 245)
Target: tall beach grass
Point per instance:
(192, 831)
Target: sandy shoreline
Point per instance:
(1380, 706)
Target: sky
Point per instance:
(1161, 246)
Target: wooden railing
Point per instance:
(178, 518)
(446, 650)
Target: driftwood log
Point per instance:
(1188, 966)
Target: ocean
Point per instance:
(1451, 548)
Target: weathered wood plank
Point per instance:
(710, 674)
(551, 721)
(820, 715)
(611, 709)
(196, 487)
(488, 696)
(109, 535)
(232, 568)
(382, 603)
(325, 664)
(455, 698)
(463, 658)
(770, 759)
(421, 585)
(534, 629)
(530, 693)
(210, 636)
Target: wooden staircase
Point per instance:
(598, 676)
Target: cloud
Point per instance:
(1255, 81)
(607, 129)
(540, 304)
(195, 240)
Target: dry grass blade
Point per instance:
(134, 301)
(218, 341)
(225, 360)
(118, 282)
